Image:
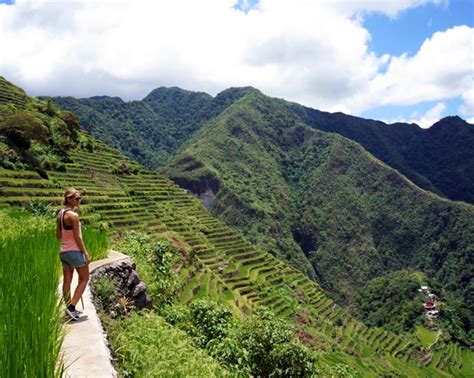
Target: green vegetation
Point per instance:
(436, 159)
(30, 320)
(155, 258)
(96, 242)
(145, 345)
(104, 292)
(30, 315)
(261, 346)
(249, 162)
(426, 336)
(33, 134)
(152, 130)
(199, 257)
(391, 301)
(305, 195)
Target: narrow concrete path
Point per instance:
(84, 350)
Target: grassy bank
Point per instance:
(145, 345)
(30, 321)
(30, 316)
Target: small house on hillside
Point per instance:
(430, 305)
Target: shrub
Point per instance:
(8, 164)
(175, 314)
(42, 172)
(292, 359)
(104, 291)
(273, 349)
(72, 123)
(230, 353)
(21, 128)
(343, 370)
(210, 321)
(261, 346)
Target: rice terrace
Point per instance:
(233, 234)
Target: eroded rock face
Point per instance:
(207, 198)
(126, 281)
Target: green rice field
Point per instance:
(30, 320)
(30, 312)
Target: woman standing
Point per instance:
(73, 253)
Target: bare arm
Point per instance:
(58, 227)
(74, 218)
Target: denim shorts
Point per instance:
(73, 259)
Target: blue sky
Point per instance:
(405, 34)
(393, 60)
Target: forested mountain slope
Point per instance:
(439, 159)
(149, 131)
(297, 191)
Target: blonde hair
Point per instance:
(70, 192)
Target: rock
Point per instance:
(133, 280)
(127, 282)
(140, 296)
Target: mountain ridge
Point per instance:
(437, 159)
(302, 193)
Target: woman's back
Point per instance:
(68, 241)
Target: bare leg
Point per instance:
(67, 278)
(81, 286)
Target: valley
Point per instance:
(289, 226)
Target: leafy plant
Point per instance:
(124, 305)
(210, 321)
(159, 258)
(104, 291)
(41, 209)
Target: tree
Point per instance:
(21, 128)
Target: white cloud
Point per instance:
(468, 97)
(391, 8)
(432, 116)
(441, 69)
(312, 52)
(425, 120)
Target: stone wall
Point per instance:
(126, 281)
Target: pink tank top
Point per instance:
(68, 243)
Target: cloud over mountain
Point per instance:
(313, 52)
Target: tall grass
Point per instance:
(96, 242)
(30, 324)
(146, 346)
(30, 316)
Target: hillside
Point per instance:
(151, 131)
(119, 195)
(33, 134)
(258, 181)
(439, 159)
(296, 192)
